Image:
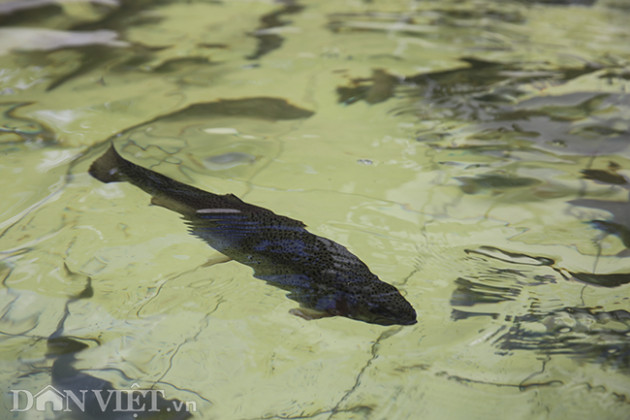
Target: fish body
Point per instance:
(322, 275)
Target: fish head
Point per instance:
(376, 302)
(386, 306)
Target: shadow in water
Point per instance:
(268, 39)
(80, 395)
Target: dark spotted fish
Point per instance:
(323, 276)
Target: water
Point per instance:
(474, 154)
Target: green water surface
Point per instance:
(475, 154)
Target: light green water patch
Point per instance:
(473, 154)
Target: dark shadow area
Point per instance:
(267, 40)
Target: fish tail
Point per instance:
(109, 167)
(166, 192)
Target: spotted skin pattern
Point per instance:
(322, 275)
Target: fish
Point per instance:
(321, 275)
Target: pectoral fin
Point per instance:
(218, 258)
(308, 313)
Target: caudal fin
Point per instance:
(108, 168)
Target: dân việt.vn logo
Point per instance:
(100, 401)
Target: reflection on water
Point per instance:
(15, 128)
(588, 333)
(473, 154)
